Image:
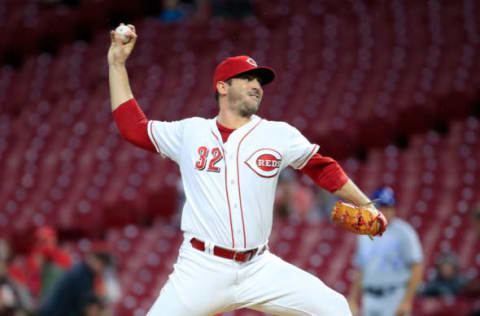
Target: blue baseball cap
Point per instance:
(384, 197)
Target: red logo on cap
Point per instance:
(252, 62)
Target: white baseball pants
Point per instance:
(203, 284)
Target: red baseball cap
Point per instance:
(237, 65)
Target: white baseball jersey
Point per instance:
(230, 187)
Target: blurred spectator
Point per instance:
(14, 297)
(93, 306)
(447, 281)
(322, 205)
(172, 11)
(179, 10)
(46, 262)
(291, 198)
(472, 287)
(72, 294)
(10, 297)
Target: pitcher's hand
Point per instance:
(119, 51)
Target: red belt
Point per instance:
(239, 256)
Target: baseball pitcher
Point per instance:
(229, 166)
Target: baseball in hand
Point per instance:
(123, 31)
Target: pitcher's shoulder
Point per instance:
(278, 125)
(196, 122)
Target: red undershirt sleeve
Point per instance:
(325, 172)
(132, 123)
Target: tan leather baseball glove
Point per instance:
(362, 220)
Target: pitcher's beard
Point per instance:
(244, 108)
(247, 110)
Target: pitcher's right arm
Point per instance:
(129, 117)
(118, 53)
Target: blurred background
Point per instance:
(388, 88)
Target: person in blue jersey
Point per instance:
(388, 268)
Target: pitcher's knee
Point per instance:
(338, 305)
(344, 307)
(335, 305)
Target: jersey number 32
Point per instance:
(203, 159)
